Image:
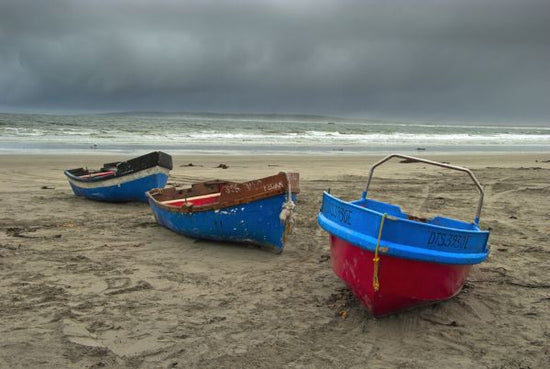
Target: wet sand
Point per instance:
(96, 285)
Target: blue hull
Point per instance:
(439, 240)
(254, 222)
(132, 190)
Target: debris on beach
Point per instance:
(223, 166)
(323, 258)
(341, 301)
(18, 232)
(14, 231)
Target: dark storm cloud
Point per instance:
(487, 60)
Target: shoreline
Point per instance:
(267, 150)
(205, 161)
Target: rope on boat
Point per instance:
(376, 259)
(287, 215)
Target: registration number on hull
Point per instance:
(449, 240)
(338, 213)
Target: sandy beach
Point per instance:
(96, 285)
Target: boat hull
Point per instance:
(403, 283)
(255, 222)
(131, 187)
(419, 262)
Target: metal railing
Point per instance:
(431, 162)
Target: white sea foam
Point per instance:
(312, 137)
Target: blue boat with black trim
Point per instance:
(259, 212)
(122, 181)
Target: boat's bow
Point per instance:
(392, 261)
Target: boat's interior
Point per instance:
(91, 174)
(395, 211)
(194, 200)
(198, 194)
(121, 168)
(218, 193)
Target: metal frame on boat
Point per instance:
(122, 181)
(392, 261)
(258, 212)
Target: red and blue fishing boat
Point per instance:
(258, 212)
(392, 261)
(122, 181)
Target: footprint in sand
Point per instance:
(117, 282)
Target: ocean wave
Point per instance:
(314, 137)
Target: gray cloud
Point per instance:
(456, 59)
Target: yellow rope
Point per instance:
(376, 260)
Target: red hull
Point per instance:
(403, 283)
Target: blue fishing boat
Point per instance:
(122, 181)
(258, 212)
(393, 261)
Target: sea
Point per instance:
(252, 134)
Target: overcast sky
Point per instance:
(400, 59)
